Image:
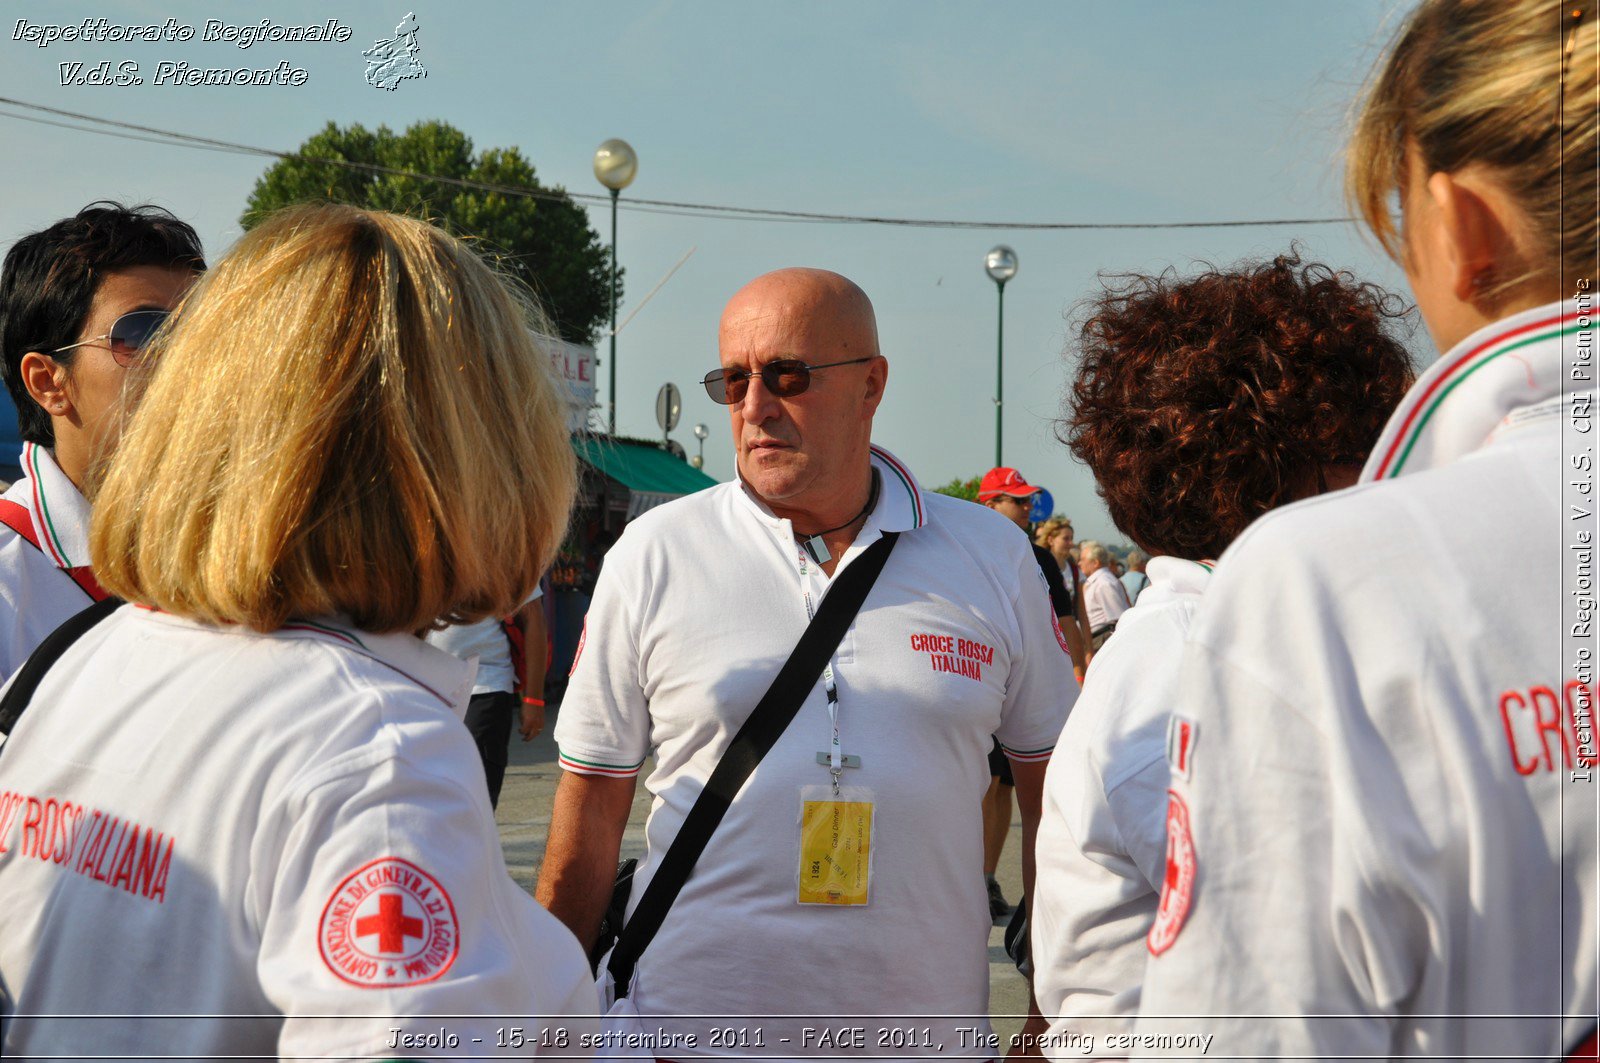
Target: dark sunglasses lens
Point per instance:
(725, 388)
(786, 378)
(130, 332)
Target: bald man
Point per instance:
(700, 603)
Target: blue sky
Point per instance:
(1065, 111)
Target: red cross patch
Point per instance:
(1177, 888)
(389, 924)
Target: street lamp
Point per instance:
(615, 165)
(700, 433)
(1001, 264)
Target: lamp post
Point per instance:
(700, 433)
(1001, 265)
(615, 165)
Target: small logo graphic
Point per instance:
(1061, 638)
(1182, 734)
(388, 924)
(1178, 885)
(577, 654)
(395, 60)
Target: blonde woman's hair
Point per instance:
(351, 416)
(1048, 529)
(1508, 85)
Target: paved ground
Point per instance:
(524, 819)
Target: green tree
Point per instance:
(967, 489)
(545, 243)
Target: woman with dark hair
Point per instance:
(1200, 403)
(1383, 842)
(78, 303)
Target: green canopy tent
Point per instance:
(640, 471)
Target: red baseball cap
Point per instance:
(1004, 481)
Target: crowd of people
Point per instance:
(1307, 779)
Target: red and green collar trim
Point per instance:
(49, 538)
(1419, 408)
(901, 477)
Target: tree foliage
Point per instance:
(545, 243)
(967, 489)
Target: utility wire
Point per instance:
(648, 206)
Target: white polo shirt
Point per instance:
(36, 591)
(487, 642)
(1391, 811)
(699, 604)
(209, 823)
(1104, 598)
(1102, 835)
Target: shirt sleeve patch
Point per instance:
(577, 654)
(1177, 886)
(1182, 734)
(585, 766)
(389, 924)
(1061, 638)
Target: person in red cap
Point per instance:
(1006, 492)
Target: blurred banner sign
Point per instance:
(574, 365)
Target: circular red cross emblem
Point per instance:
(1178, 886)
(388, 924)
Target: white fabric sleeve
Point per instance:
(1040, 687)
(384, 905)
(1289, 897)
(603, 726)
(1100, 856)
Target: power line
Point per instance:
(723, 212)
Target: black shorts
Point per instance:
(1000, 765)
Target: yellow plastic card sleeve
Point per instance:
(835, 845)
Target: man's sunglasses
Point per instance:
(785, 378)
(128, 336)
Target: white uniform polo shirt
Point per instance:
(36, 592)
(1104, 598)
(1391, 810)
(486, 642)
(212, 823)
(698, 605)
(1102, 834)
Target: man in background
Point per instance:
(700, 603)
(1005, 491)
(1134, 580)
(509, 686)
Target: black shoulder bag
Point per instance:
(48, 652)
(756, 737)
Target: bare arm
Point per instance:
(530, 618)
(580, 857)
(1083, 618)
(1076, 646)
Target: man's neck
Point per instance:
(836, 524)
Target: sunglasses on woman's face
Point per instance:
(785, 378)
(128, 336)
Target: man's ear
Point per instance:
(1478, 240)
(877, 380)
(45, 379)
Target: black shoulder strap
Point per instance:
(756, 737)
(49, 651)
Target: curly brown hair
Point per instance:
(1203, 402)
